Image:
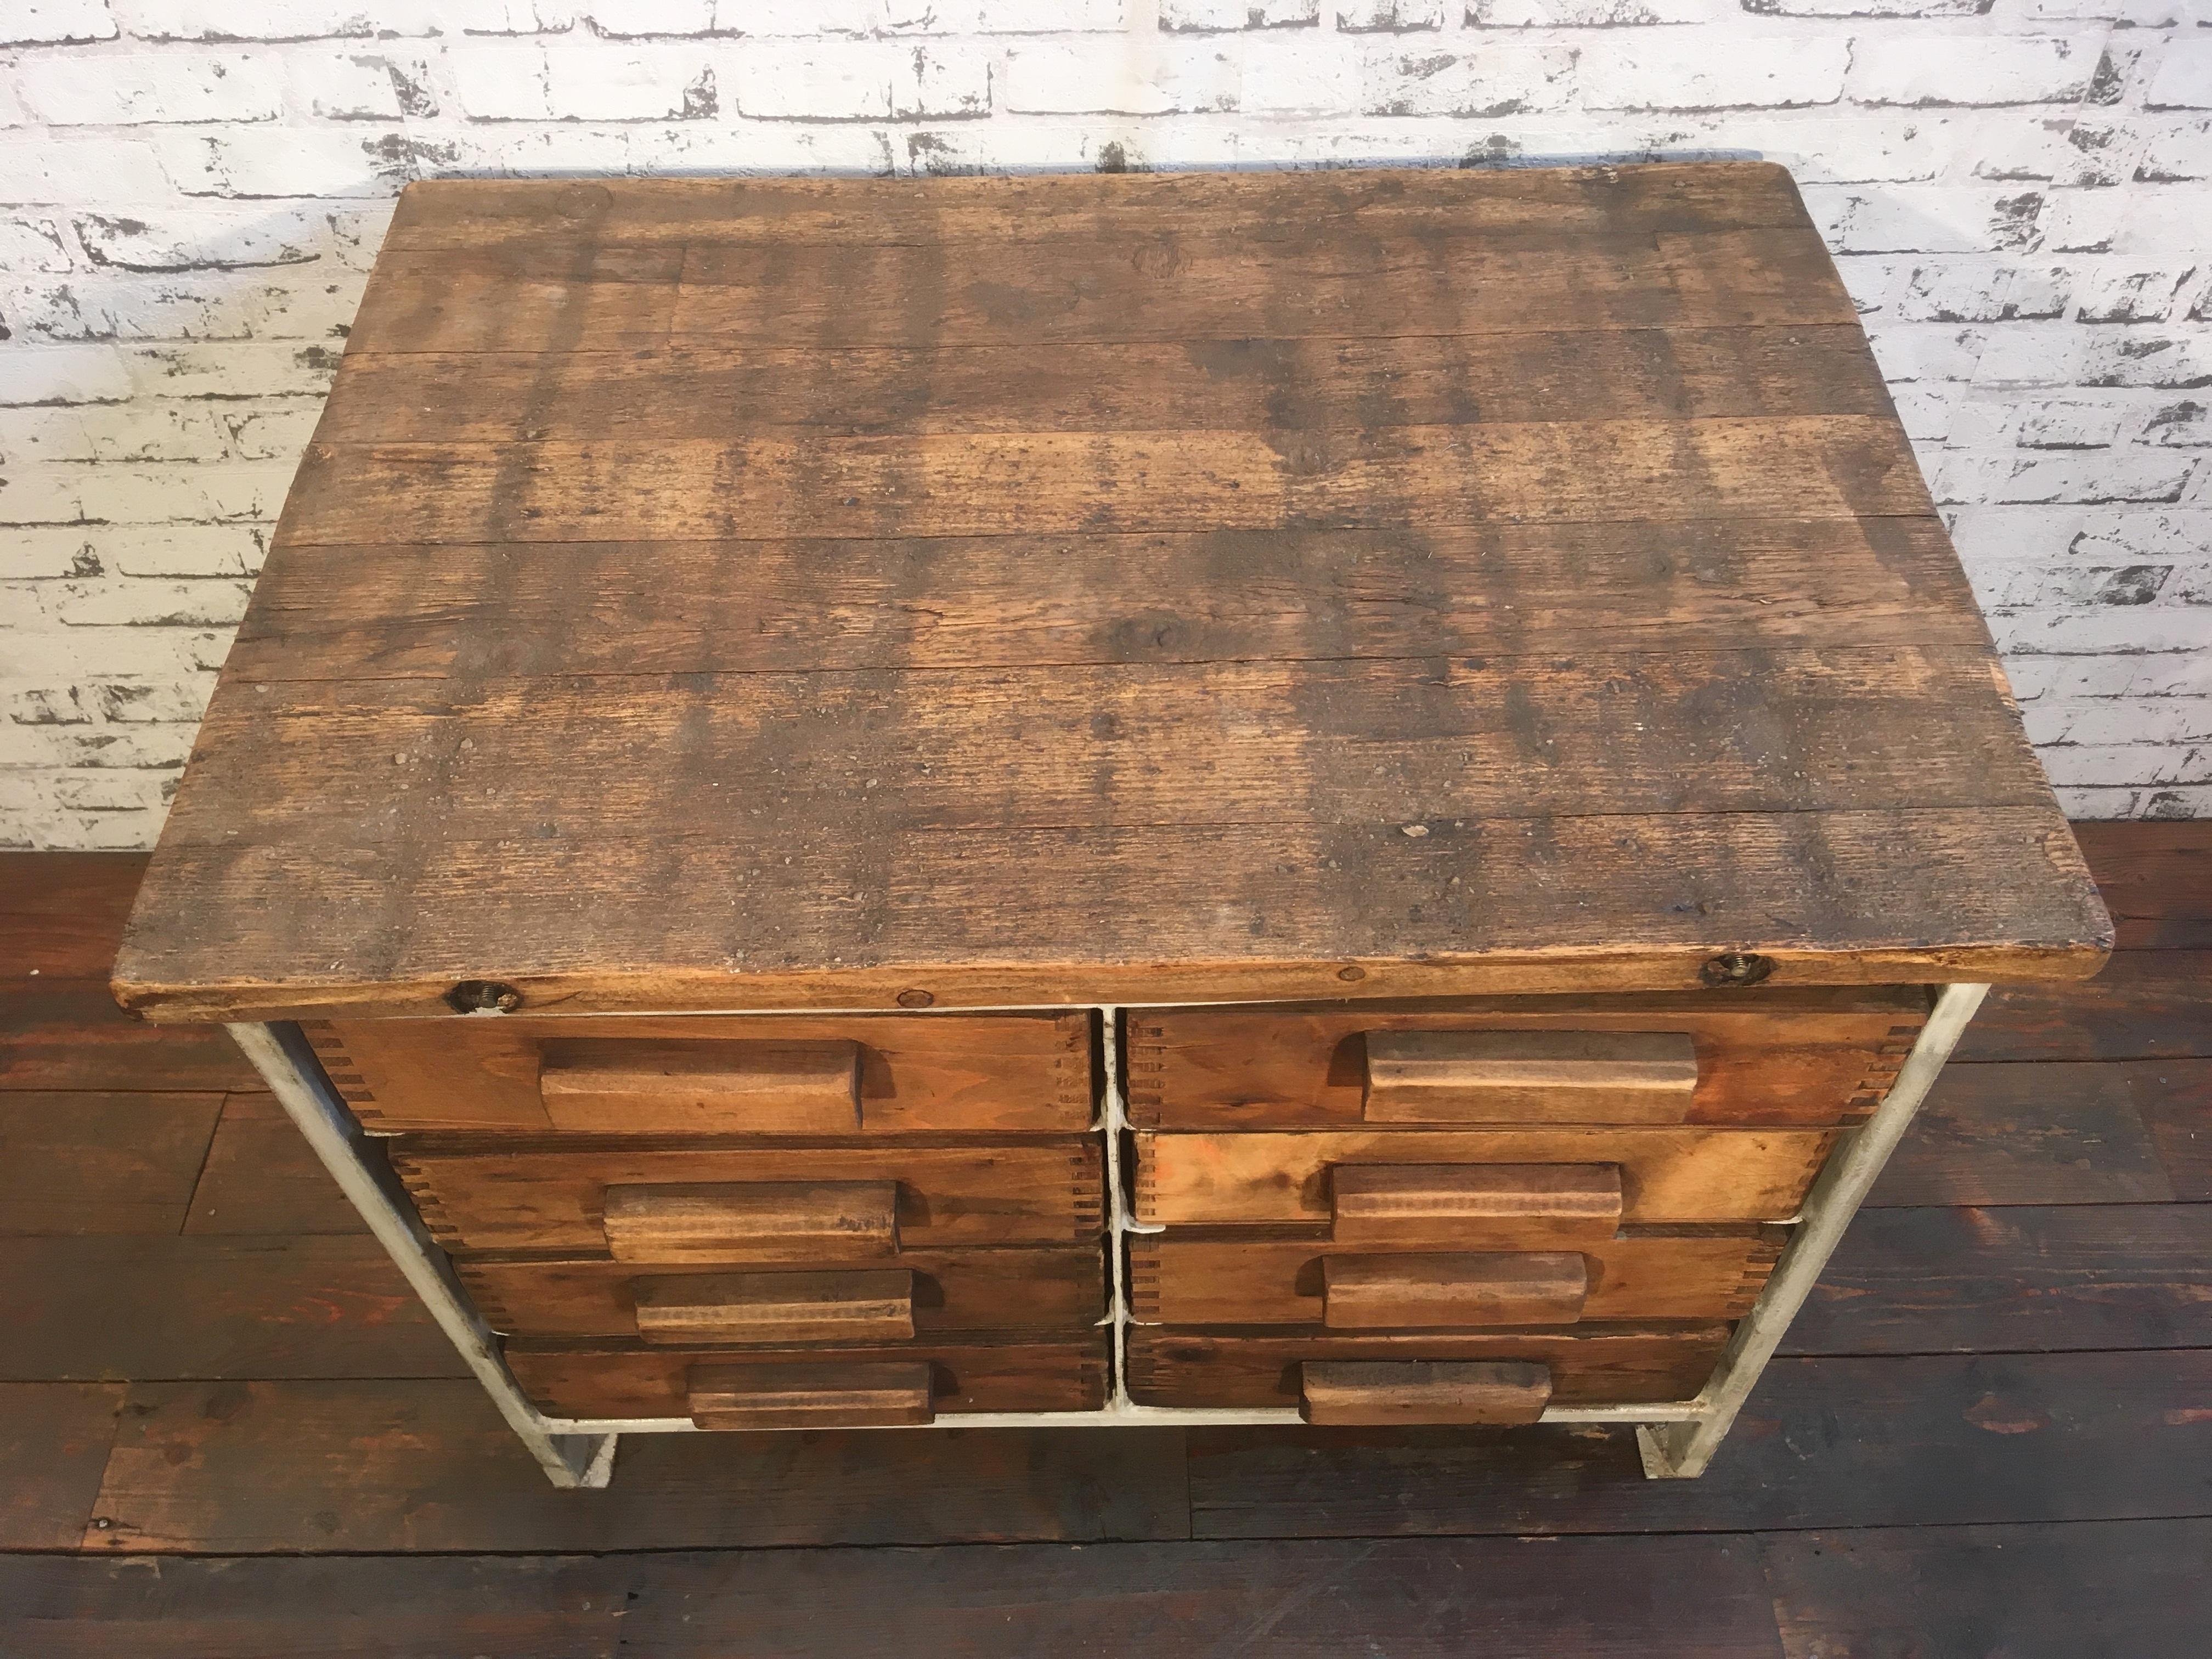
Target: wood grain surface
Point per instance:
(757, 593)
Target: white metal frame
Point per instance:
(1677, 1438)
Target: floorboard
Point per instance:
(240, 1468)
(2105, 1589)
(54, 1440)
(94, 1162)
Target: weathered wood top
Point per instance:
(742, 593)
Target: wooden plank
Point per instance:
(546, 297)
(262, 1178)
(1764, 1055)
(1200, 286)
(2052, 1133)
(2180, 1119)
(881, 752)
(54, 1438)
(69, 1033)
(1383, 1393)
(690, 390)
(2156, 878)
(2026, 1279)
(1668, 1175)
(1276, 206)
(765, 1221)
(2027, 1592)
(246, 1467)
(1221, 1279)
(832, 1394)
(1824, 1442)
(96, 1163)
(1473, 1205)
(1664, 1598)
(1027, 483)
(1105, 914)
(434, 612)
(2145, 1004)
(540, 1198)
(968, 1290)
(92, 1309)
(290, 1607)
(61, 913)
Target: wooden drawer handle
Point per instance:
(1472, 1291)
(808, 1222)
(1357, 1392)
(736, 1087)
(1446, 1203)
(867, 1304)
(813, 1396)
(1530, 1077)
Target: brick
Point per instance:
(62, 374)
(360, 86)
(2183, 79)
(2175, 151)
(187, 238)
(263, 161)
(1925, 218)
(519, 81)
(870, 81)
(231, 369)
(2186, 424)
(316, 20)
(38, 555)
(1032, 17)
(75, 170)
(42, 22)
(1505, 77)
(34, 244)
(2063, 151)
(2071, 585)
(2124, 294)
(143, 747)
(175, 549)
(1071, 80)
(2128, 765)
(1868, 8)
(2177, 358)
(1190, 16)
(2117, 631)
(72, 89)
(1592, 13)
(2120, 719)
(1921, 70)
(2136, 14)
(140, 494)
(45, 704)
(1915, 351)
(144, 604)
(209, 305)
(1686, 71)
(2138, 475)
(1970, 289)
(1390, 16)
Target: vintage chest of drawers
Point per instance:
(1364, 796)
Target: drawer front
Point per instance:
(970, 1290)
(621, 1380)
(1172, 1367)
(1179, 1280)
(1812, 1057)
(682, 1205)
(1665, 1175)
(785, 1075)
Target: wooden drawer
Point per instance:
(617, 1379)
(533, 1197)
(1176, 1280)
(1810, 1057)
(786, 1075)
(965, 1291)
(1246, 1369)
(1666, 1175)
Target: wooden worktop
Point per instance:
(860, 593)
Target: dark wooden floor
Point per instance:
(226, 1428)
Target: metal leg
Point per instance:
(1682, 1451)
(285, 1061)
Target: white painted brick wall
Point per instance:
(2019, 192)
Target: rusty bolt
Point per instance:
(483, 996)
(1736, 968)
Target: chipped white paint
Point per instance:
(2019, 192)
